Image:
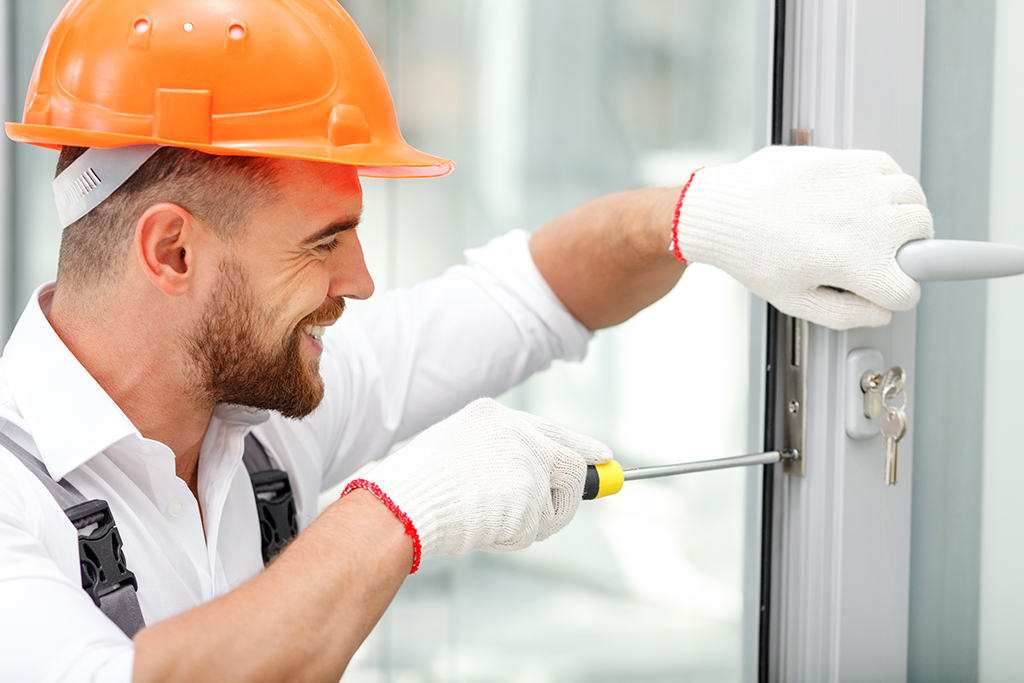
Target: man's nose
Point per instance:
(349, 275)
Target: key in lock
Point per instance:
(894, 427)
(893, 421)
(871, 385)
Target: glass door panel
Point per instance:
(966, 595)
(544, 105)
(1001, 609)
(35, 238)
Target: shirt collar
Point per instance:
(69, 415)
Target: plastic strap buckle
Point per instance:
(104, 569)
(94, 176)
(276, 510)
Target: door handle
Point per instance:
(946, 260)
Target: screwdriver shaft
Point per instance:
(708, 465)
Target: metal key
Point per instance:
(894, 426)
(894, 419)
(893, 381)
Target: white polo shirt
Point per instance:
(390, 369)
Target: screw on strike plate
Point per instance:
(794, 406)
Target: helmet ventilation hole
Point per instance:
(236, 31)
(141, 25)
(189, 27)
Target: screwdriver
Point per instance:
(606, 479)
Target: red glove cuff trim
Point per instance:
(410, 529)
(675, 219)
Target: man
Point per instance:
(208, 186)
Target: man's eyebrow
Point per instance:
(332, 229)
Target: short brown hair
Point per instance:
(218, 190)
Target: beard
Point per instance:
(235, 364)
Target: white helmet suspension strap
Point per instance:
(93, 177)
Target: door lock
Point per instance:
(871, 385)
(863, 392)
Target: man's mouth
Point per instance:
(317, 322)
(314, 331)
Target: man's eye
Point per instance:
(328, 246)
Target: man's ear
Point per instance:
(166, 239)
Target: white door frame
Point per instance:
(841, 541)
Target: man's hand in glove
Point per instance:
(814, 231)
(487, 477)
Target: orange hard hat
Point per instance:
(281, 78)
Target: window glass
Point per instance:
(966, 598)
(1001, 611)
(544, 105)
(36, 230)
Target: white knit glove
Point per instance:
(487, 477)
(798, 224)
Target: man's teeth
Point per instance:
(314, 331)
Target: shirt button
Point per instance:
(174, 507)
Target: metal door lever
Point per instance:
(946, 260)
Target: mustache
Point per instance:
(329, 312)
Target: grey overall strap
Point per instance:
(275, 504)
(255, 455)
(105, 576)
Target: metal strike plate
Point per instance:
(793, 362)
(794, 391)
(859, 361)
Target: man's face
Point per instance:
(281, 282)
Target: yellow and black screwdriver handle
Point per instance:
(603, 480)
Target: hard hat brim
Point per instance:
(375, 160)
